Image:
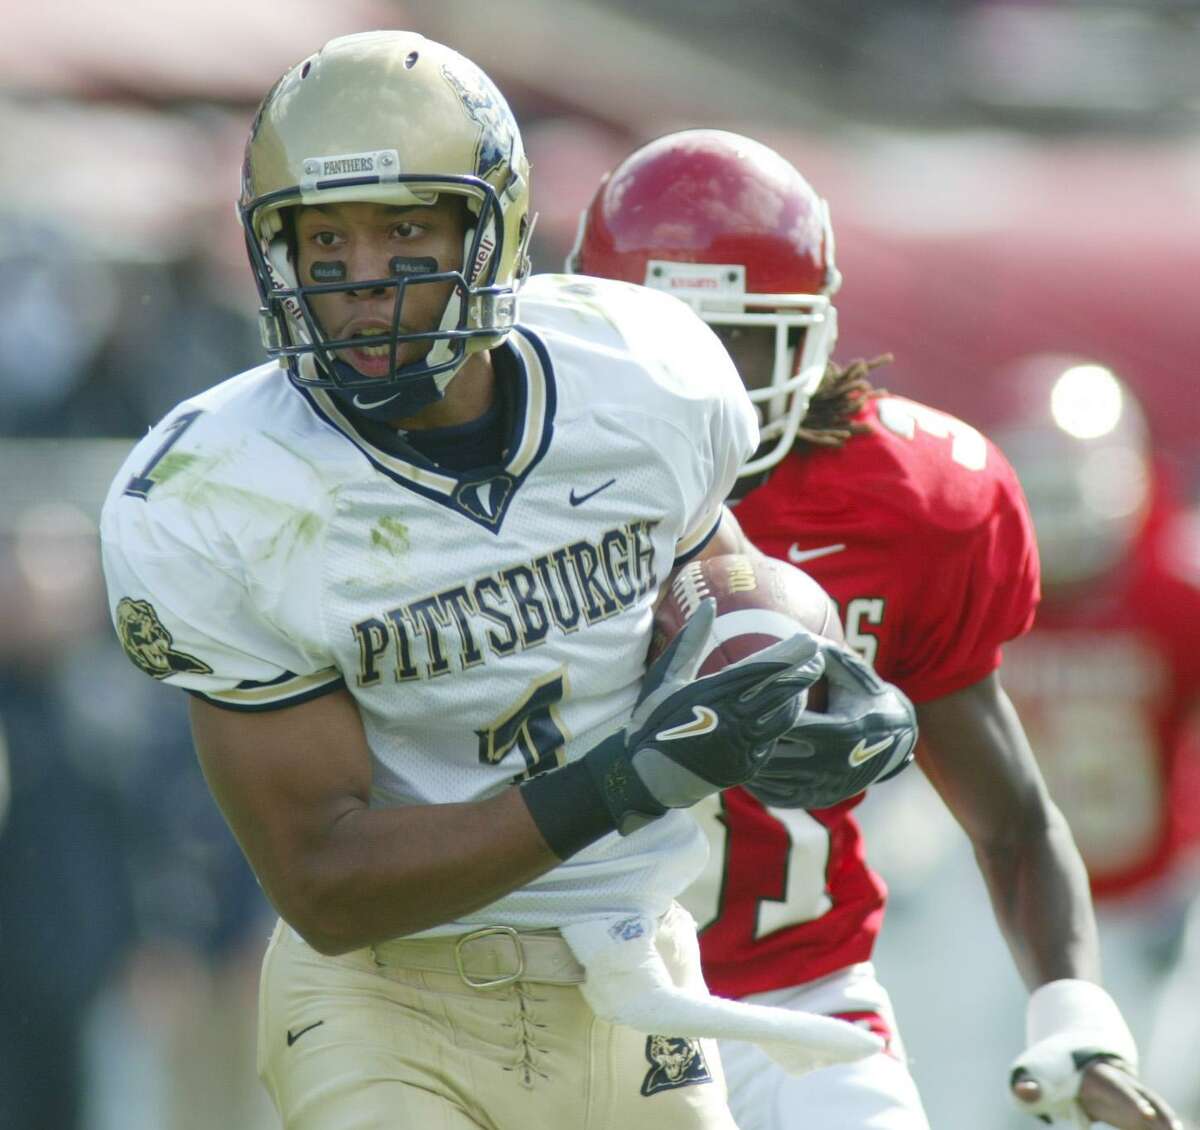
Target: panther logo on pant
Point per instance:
(677, 1062)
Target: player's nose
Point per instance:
(367, 270)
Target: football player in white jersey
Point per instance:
(409, 583)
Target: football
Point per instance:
(759, 601)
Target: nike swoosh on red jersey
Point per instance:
(796, 555)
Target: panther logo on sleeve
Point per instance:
(677, 1062)
(148, 643)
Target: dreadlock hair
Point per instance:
(839, 397)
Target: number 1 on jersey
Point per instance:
(141, 484)
(780, 883)
(531, 726)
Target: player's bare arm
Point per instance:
(294, 785)
(976, 755)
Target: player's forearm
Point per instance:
(1039, 892)
(977, 757)
(382, 873)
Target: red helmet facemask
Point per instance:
(730, 227)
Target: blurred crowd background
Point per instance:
(1007, 179)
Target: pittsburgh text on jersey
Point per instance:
(511, 609)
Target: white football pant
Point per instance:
(876, 1093)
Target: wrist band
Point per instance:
(1073, 1006)
(568, 808)
(1069, 1024)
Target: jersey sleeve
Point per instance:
(730, 439)
(982, 591)
(181, 605)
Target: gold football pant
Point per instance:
(394, 1036)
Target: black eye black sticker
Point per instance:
(403, 266)
(327, 270)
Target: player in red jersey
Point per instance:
(916, 525)
(1114, 653)
(1108, 681)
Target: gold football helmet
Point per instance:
(393, 118)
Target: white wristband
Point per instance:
(1067, 1024)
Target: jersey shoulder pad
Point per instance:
(945, 474)
(211, 538)
(630, 347)
(646, 364)
(243, 474)
(249, 442)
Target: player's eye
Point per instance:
(325, 238)
(405, 229)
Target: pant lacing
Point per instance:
(530, 1055)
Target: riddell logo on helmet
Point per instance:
(482, 255)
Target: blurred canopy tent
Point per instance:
(151, 50)
(581, 55)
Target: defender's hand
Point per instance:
(1080, 1062)
(1110, 1093)
(690, 737)
(867, 733)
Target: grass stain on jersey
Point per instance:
(301, 528)
(172, 464)
(264, 526)
(391, 536)
(580, 298)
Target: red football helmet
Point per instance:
(732, 228)
(1078, 440)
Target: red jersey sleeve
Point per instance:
(982, 590)
(919, 530)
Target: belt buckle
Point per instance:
(494, 982)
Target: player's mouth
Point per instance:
(371, 360)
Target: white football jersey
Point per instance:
(259, 551)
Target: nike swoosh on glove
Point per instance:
(866, 734)
(689, 737)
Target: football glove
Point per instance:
(866, 734)
(690, 737)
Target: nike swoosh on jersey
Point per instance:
(704, 721)
(863, 752)
(292, 1037)
(796, 555)
(576, 499)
